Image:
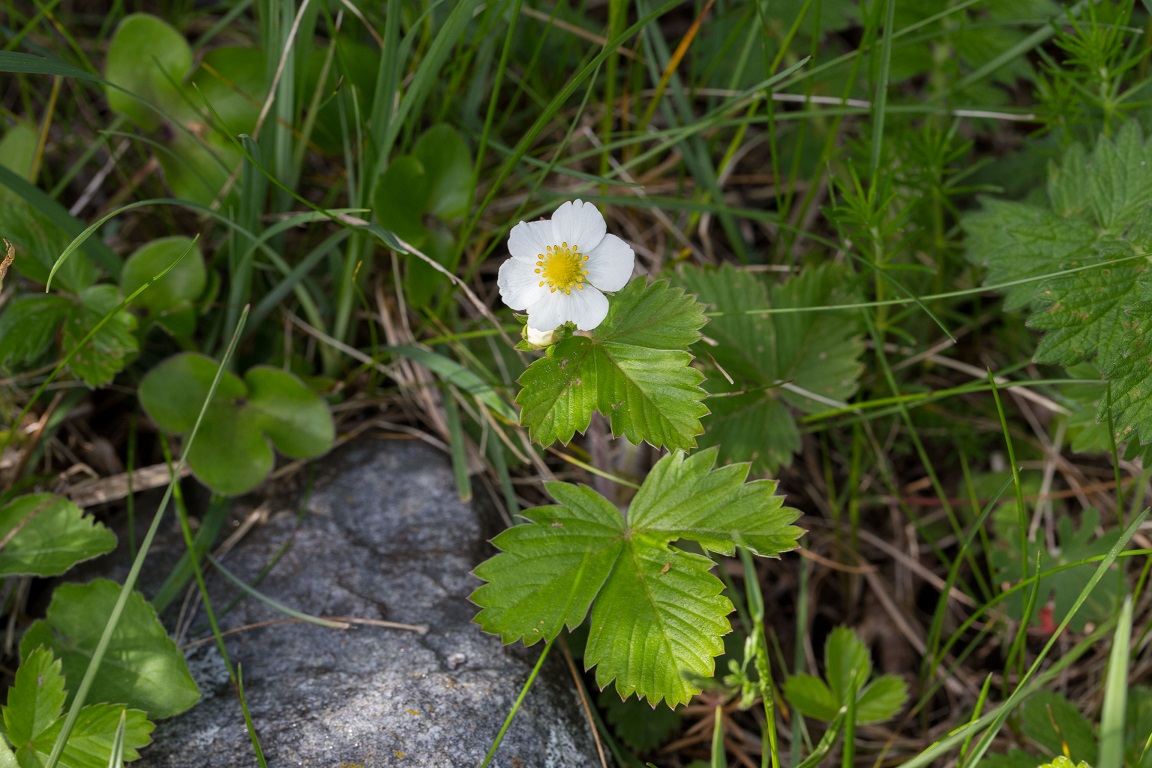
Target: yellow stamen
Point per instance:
(561, 268)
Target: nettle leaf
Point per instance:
(45, 535)
(142, 667)
(231, 453)
(32, 720)
(658, 614)
(807, 360)
(847, 667)
(634, 368)
(1096, 220)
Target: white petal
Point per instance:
(519, 284)
(579, 224)
(537, 337)
(586, 308)
(611, 264)
(529, 239)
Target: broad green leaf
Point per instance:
(634, 369)
(35, 701)
(638, 725)
(142, 668)
(812, 696)
(46, 535)
(447, 162)
(401, 198)
(148, 58)
(18, 149)
(658, 615)
(808, 359)
(231, 453)
(39, 240)
(113, 346)
(177, 289)
(173, 392)
(296, 421)
(232, 81)
(29, 325)
(456, 375)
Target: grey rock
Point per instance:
(385, 538)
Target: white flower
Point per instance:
(559, 268)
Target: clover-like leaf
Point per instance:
(231, 453)
(805, 359)
(634, 368)
(658, 614)
(148, 58)
(142, 667)
(169, 299)
(848, 669)
(45, 535)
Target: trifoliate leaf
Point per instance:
(28, 326)
(231, 452)
(848, 668)
(32, 720)
(658, 615)
(142, 667)
(45, 535)
(635, 369)
(808, 359)
(1097, 217)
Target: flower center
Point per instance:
(562, 267)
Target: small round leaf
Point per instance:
(294, 417)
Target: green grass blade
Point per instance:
(1116, 693)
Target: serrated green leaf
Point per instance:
(142, 668)
(92, 737)
(1056, 725)
(649, 394)
(847, 663)
(881, 699)
(7, 756)
(1015, 241)
(45, 535)
(686, 498)
(35, 701)
(657, 612)
(28, 326)
(657, 623)
(652, 315)
(1097, 216)
(552, 569)
(641, 727)
(809, 359)
(812, 696)
(111, 348)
